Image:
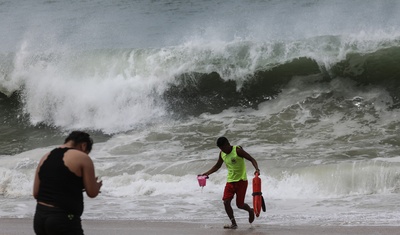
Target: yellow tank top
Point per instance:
(236, 166)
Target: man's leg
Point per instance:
(229, 212)
(247, 208)
(229, 192)
(240, 195)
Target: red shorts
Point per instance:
(239, 188)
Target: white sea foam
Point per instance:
(327, 148)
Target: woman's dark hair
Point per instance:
(222, 141)
(80, 137)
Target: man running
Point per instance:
(234, 157)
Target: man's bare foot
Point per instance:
(251, 216)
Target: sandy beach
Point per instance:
(125, 227)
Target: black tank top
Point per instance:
(58, 185)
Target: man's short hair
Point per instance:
(222, 141)
(80, 137)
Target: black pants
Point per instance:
(56, 221)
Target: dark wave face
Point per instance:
(197, 93)
(379, 68)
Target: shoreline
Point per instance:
(14, 226)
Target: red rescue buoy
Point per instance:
(258, 200)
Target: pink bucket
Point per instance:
(202, 180)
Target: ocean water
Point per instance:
(309, 88)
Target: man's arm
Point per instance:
(247, 156)
(36, 181)
(91, 185)
(215, 167)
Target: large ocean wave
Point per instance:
(81, 89)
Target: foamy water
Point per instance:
(309, 89)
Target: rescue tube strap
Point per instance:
(257, 194)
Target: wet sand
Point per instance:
(125, 227)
